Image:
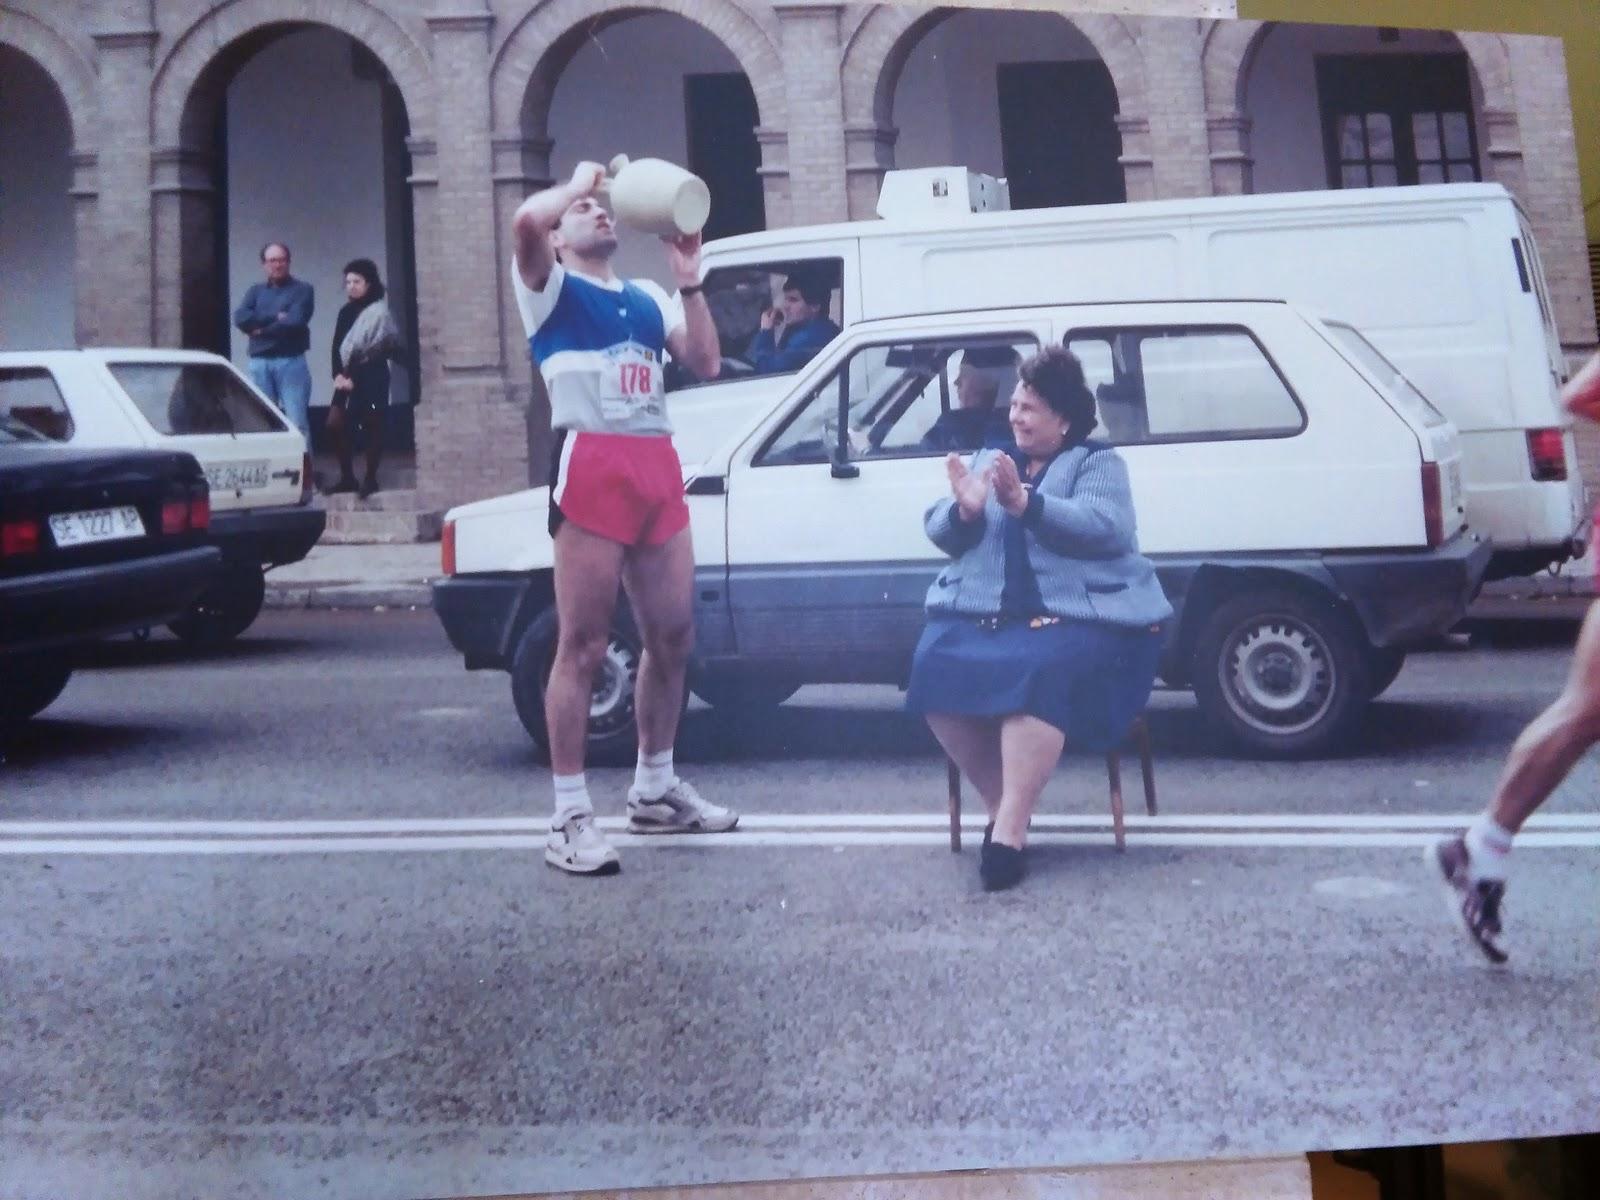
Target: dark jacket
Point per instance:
(371, 377)
(278, 319)
(799, 346)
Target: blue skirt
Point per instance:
(1088, 679)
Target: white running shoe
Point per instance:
(580, 848)
(679, 809)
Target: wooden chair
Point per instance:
(1138, 733)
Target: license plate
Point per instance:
(237, 477)
(96, 525)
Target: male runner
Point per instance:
(1473, 864)
(617, 511)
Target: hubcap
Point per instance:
(1277, 675)
(611, 703)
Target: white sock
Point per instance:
(572, 799)
(654, 774)
(1489, 845)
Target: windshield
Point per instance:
(1397, 389)
(188, 398)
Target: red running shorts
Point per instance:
(622, 487)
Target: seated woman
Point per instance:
(1049, 623)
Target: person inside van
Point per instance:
(795, 329)
(1048, 623)
(977, 421)
(1472, 865)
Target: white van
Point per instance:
(1301, 502)
(1445, 280)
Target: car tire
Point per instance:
(613, 733)
(228, 607)
(32, 684)
(743, 694)
(1282, 674)
(1385, 665)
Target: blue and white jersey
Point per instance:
(600, 346)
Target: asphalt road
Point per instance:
(276, 924)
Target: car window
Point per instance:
(29, 397)
(1397, 389)
(1176, 383)
(906, 399)
(186, 398)
(738, 296)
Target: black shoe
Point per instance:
(368, 488)
(1001, 866)
(347, 484)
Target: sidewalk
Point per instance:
(334, 576)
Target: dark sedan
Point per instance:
(92, 543)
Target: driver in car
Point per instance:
(795, 329)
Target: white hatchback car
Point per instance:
(1300, 500)
(255, 462)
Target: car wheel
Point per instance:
(31, 686)
(225, 609)
(613, 736)
(1385, 666)
(1282, 674)
(751, 692)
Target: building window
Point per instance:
(1391, 119)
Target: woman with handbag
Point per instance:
(1048, 624)
(365, 339)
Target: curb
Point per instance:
(349, 596)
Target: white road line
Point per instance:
(752, 839)
(787, 823)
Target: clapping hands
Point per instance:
(970, 488)
(1008, 489)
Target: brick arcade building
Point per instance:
(148, 147)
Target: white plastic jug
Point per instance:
(658, 197)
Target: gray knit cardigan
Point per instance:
(1082, 544)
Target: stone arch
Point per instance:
(1228, 56)
(880, 45)
(1230, 49)
(199, 47)
(529, 62)
(54, 55)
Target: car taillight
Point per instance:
(447, 549)
(200, 511)
(305, 478)
(1547, 455)
(175, 516)
(20, 535)
(1432, 504)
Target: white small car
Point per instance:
(256, 463)
(1301, 501)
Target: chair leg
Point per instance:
(953, 779)
(1114, 775)
(1141, 733)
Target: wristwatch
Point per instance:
(691, 289)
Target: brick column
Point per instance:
(521, 167)
(471, 430)
(1231, 163)
(869, 154)
(122, 292)
(1179, 136)
(87, 280)
(1549, 188)
(816, 141)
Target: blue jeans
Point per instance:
(287, 383)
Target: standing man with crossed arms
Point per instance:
(617, 512)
